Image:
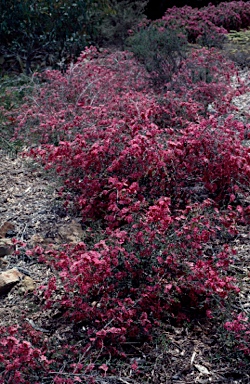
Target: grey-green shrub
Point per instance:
(161, 50)
(116, 24)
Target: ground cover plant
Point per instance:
(159, 182)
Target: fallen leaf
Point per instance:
(202, 369)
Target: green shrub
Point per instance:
(161, 50)
(116, 24)
(55, 29)
(13, 91)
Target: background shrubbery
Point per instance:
(55, 29)
(53, 32)
(207, 23)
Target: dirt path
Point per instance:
(29, 202)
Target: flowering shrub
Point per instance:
(28, 356)
(110, 144)
(240, 327)
(155, 184)
(162, 178)
(128, 281)
(208, 24)
(77, 100)
(20, 361)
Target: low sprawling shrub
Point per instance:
(159, 182)
(118, 148)
(239, 327)
(162, 268)
(20, 361)
(154, 175)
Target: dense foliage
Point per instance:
(158, 176)
(54, 32)
(56, 27)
